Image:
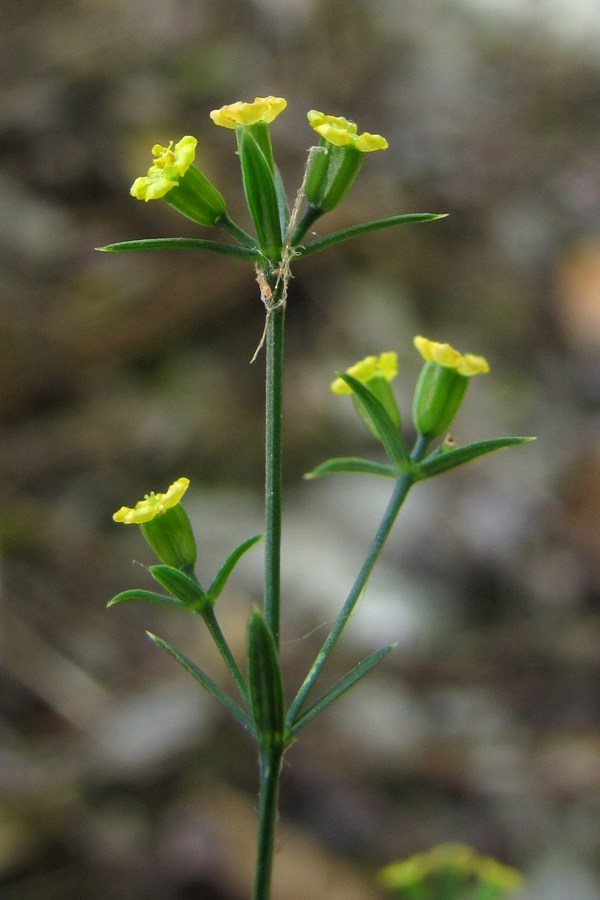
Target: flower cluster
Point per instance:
(439, 392)
(174, 178)
(419, 874)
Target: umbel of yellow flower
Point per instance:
(164, 524)
(153, 504)
(420, 872)
(442, 385)
(172, 177)
(343, 132)
(337, 161)
(170, 164)
(375, 372)
(445, 355)
(263, 109)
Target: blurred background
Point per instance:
(120, 373)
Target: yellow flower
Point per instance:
(445, 355)
(263, 109)
(153, 504)
(169, 165)
(496, 874)
(384, 365)
(405, 874)
(342, 132)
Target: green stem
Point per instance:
(403, 485)
(311, 214)
(270, 768)
(273, 457)
(237, 233)
(225, 650)
(271, 757)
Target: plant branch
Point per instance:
(401, 489)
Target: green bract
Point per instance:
(438, 396)
(197, 198)
(258, 174)
(332, 172)
(170, 536)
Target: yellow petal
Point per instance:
(341, 132)
(366, 142)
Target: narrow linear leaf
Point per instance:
(180, 585)
(352, 464)
(344, 684)
(442, 462)
(388, 431)
(228, 566)
(150, 596)
(182, 244)
(207, 683)
(265, 683)
(345, 234)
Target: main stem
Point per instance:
(271, 757)
(270, 767)
(273, 461)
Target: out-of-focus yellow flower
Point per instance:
(342, 132)
(496, 874)
(170, 164)
(384, 365)
(460, 856)
(263, 109)
(419, 871)
(445, 355)
(405, 874)
(153, 504)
